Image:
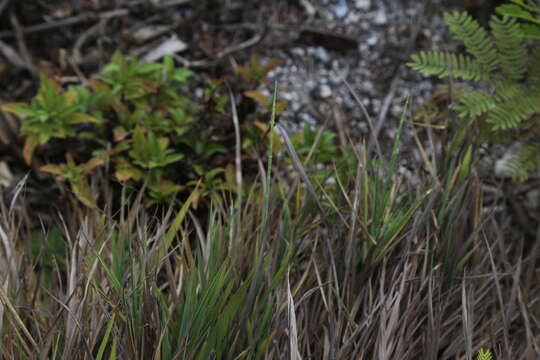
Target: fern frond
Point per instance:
(475, 38)
(525, 162)
(506, 90)
(445, 64)
(484, 355)
(474, 103)
(533, 70)
(511, 49)
(512, 112)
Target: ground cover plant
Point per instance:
(313, 250)
(500, 88)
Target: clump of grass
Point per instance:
(375, 267)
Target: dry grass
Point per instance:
(374, 267)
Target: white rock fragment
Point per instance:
(363, 4)
(380, 18)
(325, 91)
(320, 53)
(352, 18)
(171, 46)
(146, 33)
(372, 40)
(6, 177)
(502, 168)
(532, 200)
(341, 9)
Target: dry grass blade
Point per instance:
(238, 165)
(293, 332)
(18, 322)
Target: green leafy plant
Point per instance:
(256, 72)
(501, 79)
(135, 116)
(150, 152)
(76, 175)
(51, 114)
(319, 148)
(484, 355)
(525, 10)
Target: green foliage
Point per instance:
(51, 114)
(257, 71)
(501, 88)
(253, 76)
(525, 10)
(524, 162)
(320, 148)
(136, 116)
(484, 355)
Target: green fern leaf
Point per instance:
(445, 64)
(524, 163)
(506, 93)
(474, 37)
(505, 90)
(511, 113)
(534, 67)
(474, 103)
(511, 49)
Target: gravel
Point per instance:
(313, 78)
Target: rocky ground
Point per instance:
(342, 60)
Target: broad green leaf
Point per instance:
(18, 109)
(30, 143)
(91, 164)
(516, 11)
(79, 118)
(163, 142)
(83, 192)
(148, 68)
(125, 171)
(53, 169)
(181, 75)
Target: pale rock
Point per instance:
(532, 199)
(325, 91)
(363, 4)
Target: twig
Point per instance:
(384, 110)
(366, 114)
(3, 5)
(220, 55)
(93, 30)
(12, 56)
(21, 43)
(73, 20)
(88, 16)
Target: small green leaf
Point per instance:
(18, 109)
(53, 169)
(181, 75)
(516, 11)
(30, 144)
(149, 68)
(168, 64)
(125, 171)
(79, 118)
(83, 192)
(530, 31)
